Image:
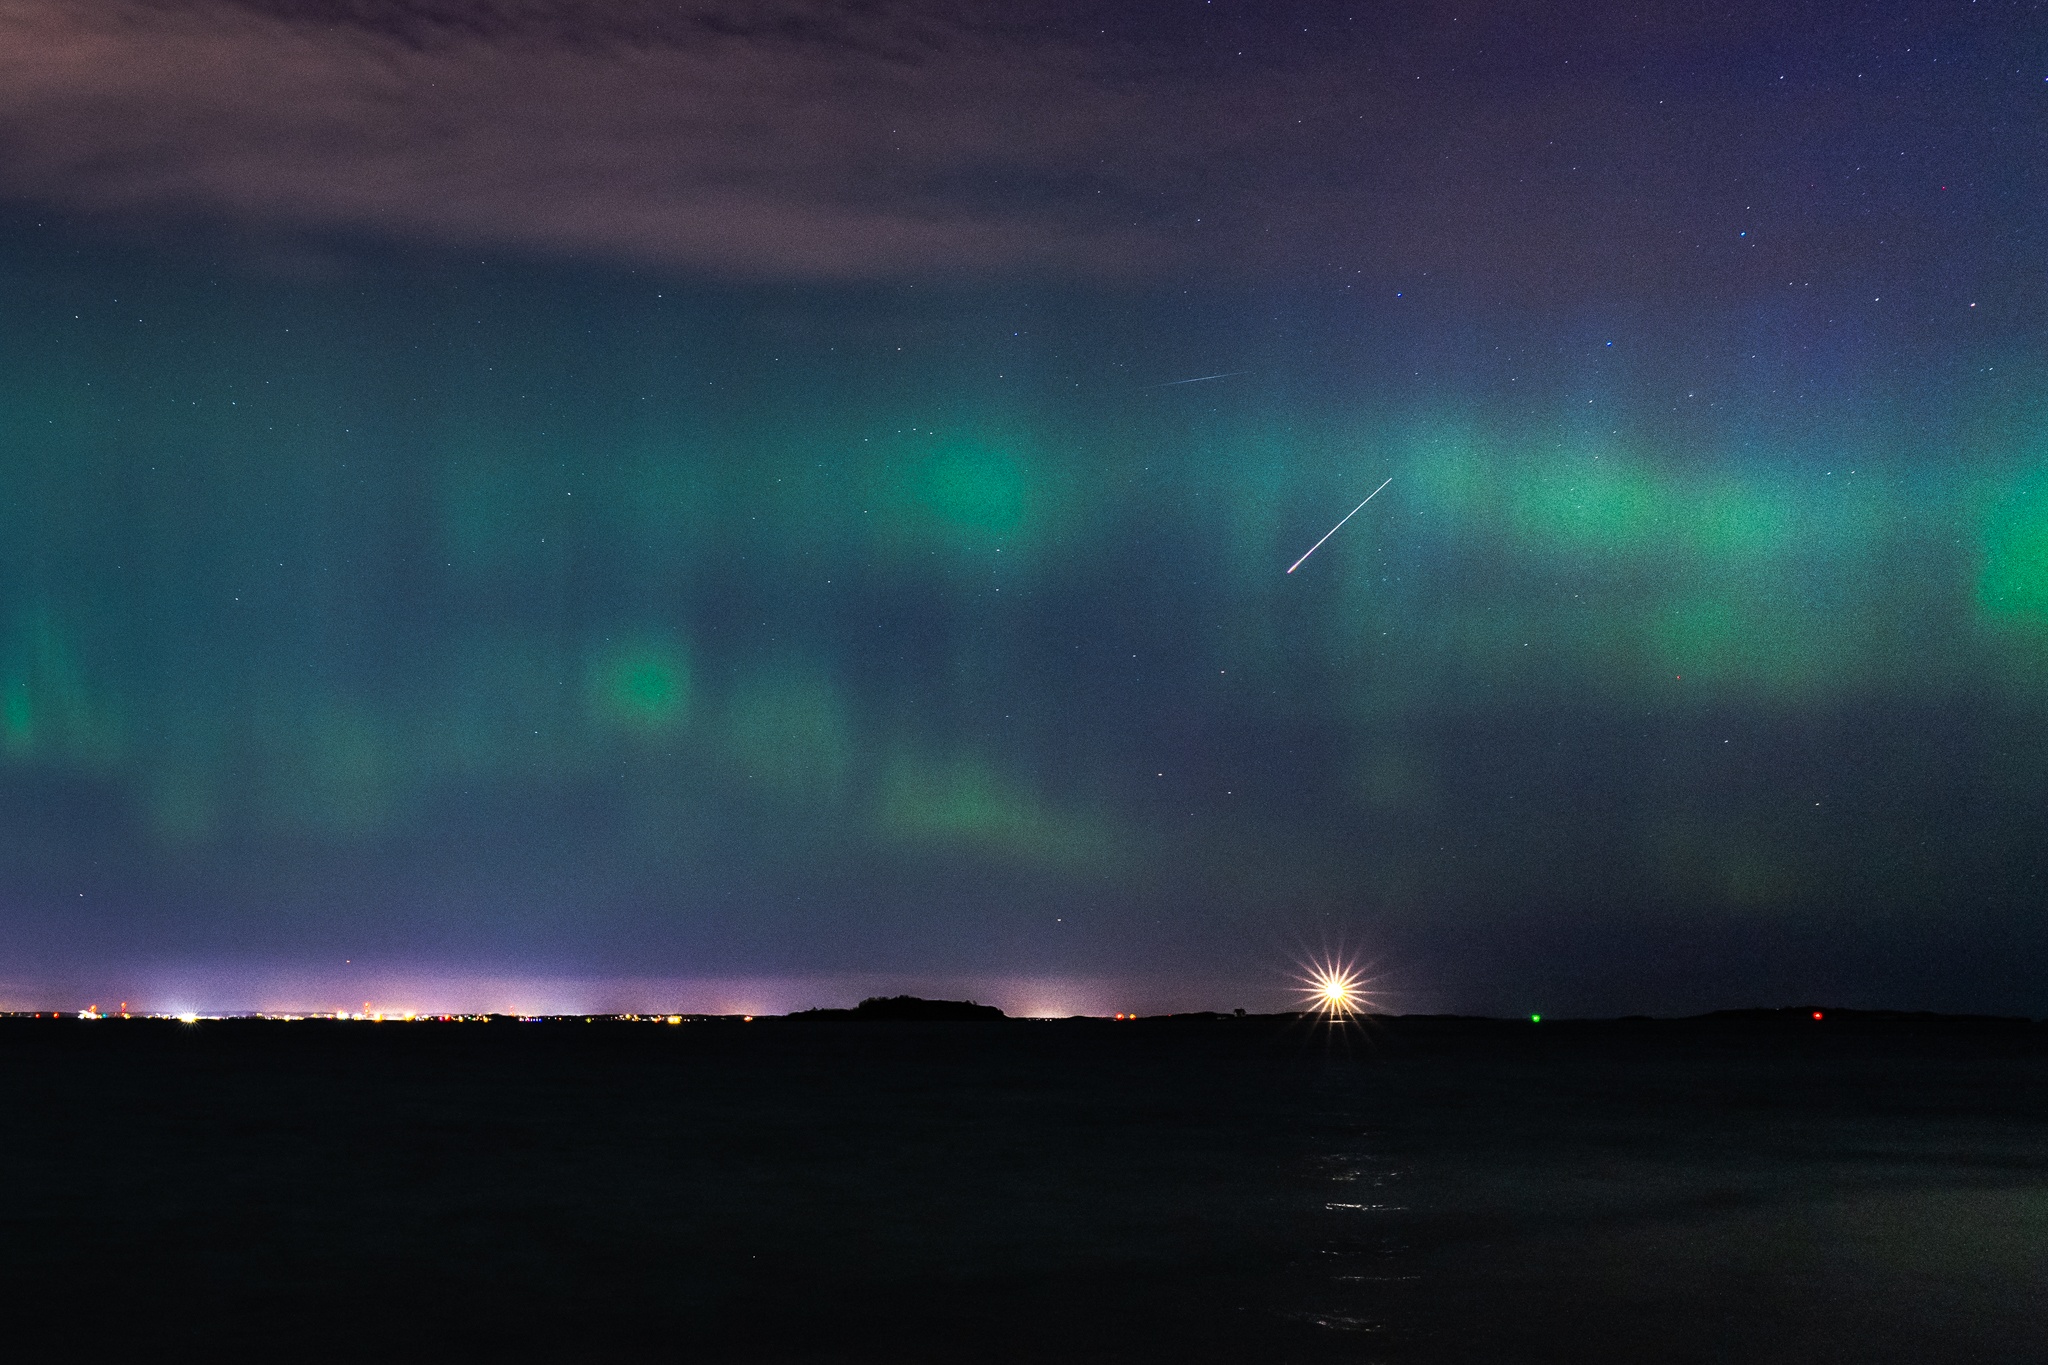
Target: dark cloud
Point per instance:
(800, 141)
(811, 139)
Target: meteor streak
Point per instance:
(1198, 379)
(1339, 526)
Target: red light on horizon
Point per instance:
(1816, 1014)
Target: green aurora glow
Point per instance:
(640, 612)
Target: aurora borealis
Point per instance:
(372, 591)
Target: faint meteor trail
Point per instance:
(1198, 379)
(1339, 526)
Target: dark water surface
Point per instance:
(1205, 1190)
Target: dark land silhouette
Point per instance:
(908, 1009)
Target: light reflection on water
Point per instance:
(1883, 1200)
(1213, 1190)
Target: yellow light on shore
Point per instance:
(1334, 989)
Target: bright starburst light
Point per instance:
(1334, 989)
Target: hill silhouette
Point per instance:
(910, 1008)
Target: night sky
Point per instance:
(544, 505)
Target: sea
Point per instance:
(1759, 1187)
